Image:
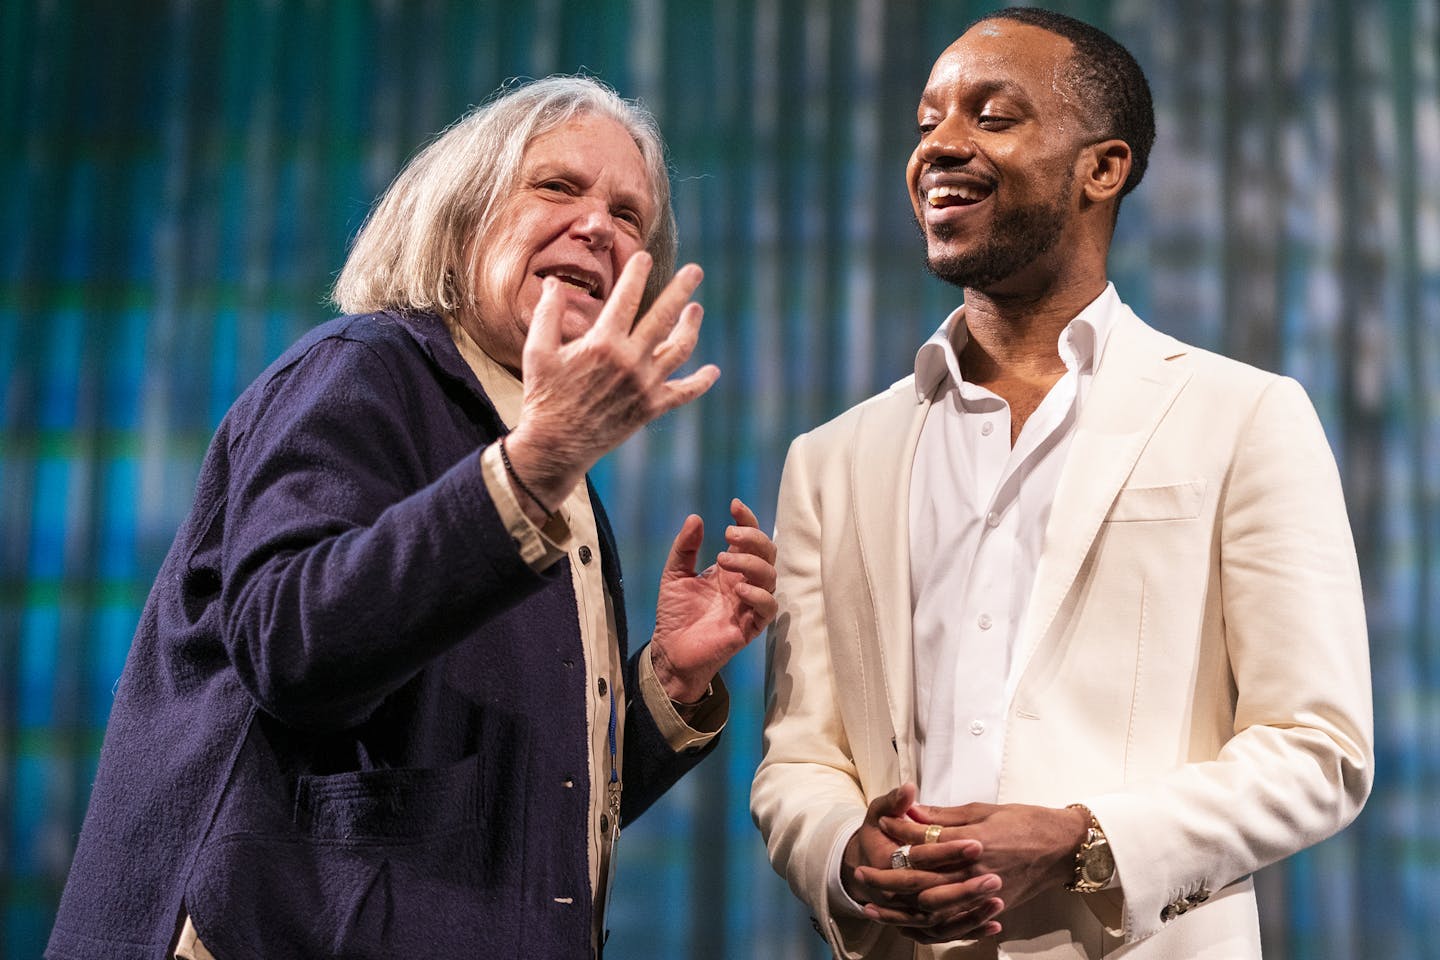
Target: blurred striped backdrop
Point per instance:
(178, 182)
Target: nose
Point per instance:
(593, 225)
(949, 142)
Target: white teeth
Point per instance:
(935, 194)
(574, 281)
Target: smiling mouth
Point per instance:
(575, 278)
(956, 195)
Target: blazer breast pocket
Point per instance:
(1168, 501)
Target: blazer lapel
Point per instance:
(1133, 387)
(885, 449)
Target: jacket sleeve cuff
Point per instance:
(841, 903)
(706, 723)
(538, 546)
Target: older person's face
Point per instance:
(582, 207)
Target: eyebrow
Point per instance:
(982, 90)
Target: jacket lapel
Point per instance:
(1133, 387)
(885, 449)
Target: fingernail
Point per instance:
(990, 884)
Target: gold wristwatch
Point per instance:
(1094, 863)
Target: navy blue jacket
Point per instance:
(351, 711)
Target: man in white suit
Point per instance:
(1071, 639)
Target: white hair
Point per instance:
(421, 245)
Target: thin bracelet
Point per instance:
(510, 469)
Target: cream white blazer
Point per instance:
(1196, 662)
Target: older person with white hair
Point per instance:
(380, 702)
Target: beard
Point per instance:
(1019, 237)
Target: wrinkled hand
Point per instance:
(702, 620)
(1030, 849)
(584, 398)
(894, 896)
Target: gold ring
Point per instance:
(932, 833)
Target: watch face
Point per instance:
(1099, 863)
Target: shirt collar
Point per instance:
(503, 387)
(1080, 344)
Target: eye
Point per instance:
(925, 128)
(994, 121)
(558, 186)
(629, 216)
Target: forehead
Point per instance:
(595, 148)
(1002, 55)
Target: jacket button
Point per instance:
(604, 823)
(585, 554)
(602, 686)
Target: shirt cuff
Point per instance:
(538, 546)
(841, 903)
(707, 721)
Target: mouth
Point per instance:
(584, 280)
(956, 195)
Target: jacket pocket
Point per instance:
(1170, 501)
(390, 804)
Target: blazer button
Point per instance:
(604, 823)
(585, 554)
(602, 686)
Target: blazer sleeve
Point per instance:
(343, 570)
(807, 790)
(1301, 759)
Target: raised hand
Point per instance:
(584, 398)
(704, 619)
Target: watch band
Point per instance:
(1094, 837)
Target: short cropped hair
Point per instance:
(1107, 78)
(420, 248)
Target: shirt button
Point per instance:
(987, 428)
(585, 554)
(992, 519)
(604, 823)
(977, 727)
(984, 621)
(602, 686)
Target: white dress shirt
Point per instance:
(978, 510)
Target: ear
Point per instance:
(1104, 166)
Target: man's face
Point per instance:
(581, 208)
(992, 179)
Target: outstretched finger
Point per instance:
(677, 346)
(677, 393)
(543, 337)
(669, 307)
(743, 514)
(618, 314)
(754, 569)
(748, 538)
(683, 551)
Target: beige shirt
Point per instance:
(573, 533)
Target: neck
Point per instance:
(1016, 334)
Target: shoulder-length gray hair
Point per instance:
(418, 249)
